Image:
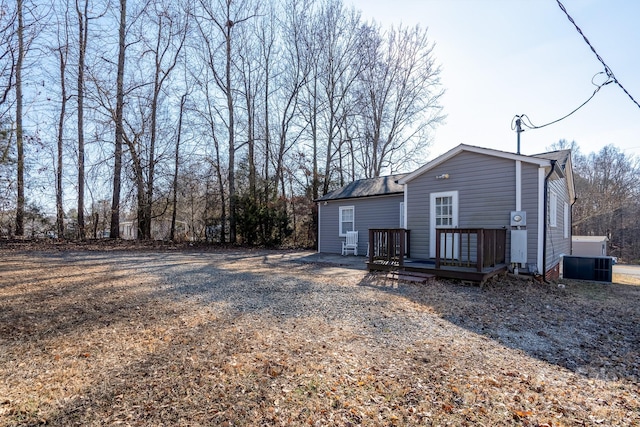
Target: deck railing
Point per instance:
(388, 245)
(476, 248)
(470, 247)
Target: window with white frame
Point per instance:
(553, 210)
(347, 219)
(444, 211)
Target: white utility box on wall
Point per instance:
(519, 246)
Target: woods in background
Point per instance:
(217, 120)
(223, 120)
(608, 189)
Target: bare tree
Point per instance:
(399, 98)
(210, 115)
(19, 129)
(171, 32)
(223, 17)
(83, 32)
(62, 53)
(174, 185)
(292, 73)
(8, 20)
(333, 50)
(607, 181)
(607, 192)
(114, 232)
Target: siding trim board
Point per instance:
(319, 227)
(406, 205)
(541, 219)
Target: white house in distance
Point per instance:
(590, 245)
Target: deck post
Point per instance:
(402, 243)
(437, 248)
(480, 241)
(480, 249)
(371, 245)
(407, 234)
(494, 253)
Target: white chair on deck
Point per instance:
(350, 243)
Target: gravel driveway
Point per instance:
(256, 337)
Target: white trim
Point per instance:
(432, 217)
(541, 218)
(406, 197)
(342, 233)
(518, 185)
(319, 226)
(568, 171)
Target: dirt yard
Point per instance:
(239, 337)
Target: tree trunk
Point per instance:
(63, 107)
(117, 169)
(161, 73)
(148, 207)
(19, 135)
(232, 148)
(175, 171)
(82, 47)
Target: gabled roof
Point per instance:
(562, 159)
(540, 161)
(368, 187)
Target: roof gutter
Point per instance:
(546, 202)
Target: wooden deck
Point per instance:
(478, 256)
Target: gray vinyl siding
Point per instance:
(369, 212)
(557, 244)
(529, 199)
(486, 196)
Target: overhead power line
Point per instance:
(526, 121)
(607, 69)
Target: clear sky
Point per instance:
(500, 58)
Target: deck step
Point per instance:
(411, 276)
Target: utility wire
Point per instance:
(606, 67)
(528, 123)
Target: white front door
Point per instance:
(443, 214)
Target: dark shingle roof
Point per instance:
(380, 186)
(560, 156)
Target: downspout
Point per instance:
(546, 213)
(575, 199)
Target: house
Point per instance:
(477, 202)
(359, 206)
(160, 229)
(589, 245)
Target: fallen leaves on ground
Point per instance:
(243, 338)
